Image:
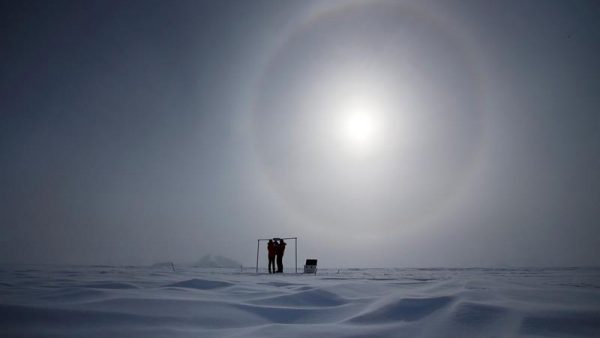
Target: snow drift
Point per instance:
(196, 302)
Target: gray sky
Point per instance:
(407, 133)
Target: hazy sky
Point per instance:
(402, 133)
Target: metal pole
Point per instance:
(296, 247)
(257, 250)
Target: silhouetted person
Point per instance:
(280, 250)
(276, 246)
(271, 250)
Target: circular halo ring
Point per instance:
(323, 11)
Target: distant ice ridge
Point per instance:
(103, 301)
(207, 261)
(216, 262)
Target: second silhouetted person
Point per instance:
(271, 250)
(280, 251)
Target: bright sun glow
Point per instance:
(359, 126)
(358, 129)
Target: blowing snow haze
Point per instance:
(380, 133)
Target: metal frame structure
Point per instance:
(267, 239)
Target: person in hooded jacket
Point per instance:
(271, 254)
(280, 249)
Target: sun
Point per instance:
(358, 129)
(359, 126)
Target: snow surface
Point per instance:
(106, 301)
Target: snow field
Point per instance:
(104, 301)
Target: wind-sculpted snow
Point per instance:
(309, 298)
(403, 309)
(106, 301)
(202, 284)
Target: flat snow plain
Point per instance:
(106, 301)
